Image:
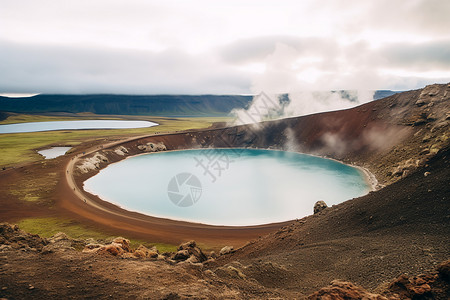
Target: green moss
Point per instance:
(33, 188)
(164, 247)
(47, 227)
(23, 118)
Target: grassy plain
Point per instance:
(18, 148)
(21, 148)
(47, 227)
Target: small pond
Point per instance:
(54, 152)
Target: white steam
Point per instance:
(288, 72)
(264, 107)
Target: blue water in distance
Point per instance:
(238, 186)
(73, 125)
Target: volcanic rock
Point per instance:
(144, 252)
(114, 249)
(226, 250)
(319, 206)
(181, 255)
(189, 250)
(92, 247)
(16, 238)
(92, 163)
(444, 270)
(152, 147)
(118, 247)
(125, 244)
(413, 287)
(62, 242)
(340, 290)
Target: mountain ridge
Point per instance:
(157, 105)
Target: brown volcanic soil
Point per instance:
(391, 137)
(405, 227)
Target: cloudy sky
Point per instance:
(221, 47)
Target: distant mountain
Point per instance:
(380, 94)
(167, 105)
(156, 105)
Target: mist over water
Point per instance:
(238, 186)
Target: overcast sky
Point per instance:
(221, 47)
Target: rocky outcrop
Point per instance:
(431, 285)
(92, 163)
(189, 252)
(343, 290)
(144, 252)
(121, 247)
(416, 287)
(406, 167)
(152, 147)
(186, 252)
(181, 255)
(12, 237)
(319, 206)
(444, 270)
(226, 250)
(62, 242)
(121, 150)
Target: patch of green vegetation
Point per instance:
(47, 227)
(32, 188)
(23, 118)
(19, 148)
(163, 247)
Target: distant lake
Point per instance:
(73, 125)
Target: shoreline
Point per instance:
(369, 178)
(91, 208)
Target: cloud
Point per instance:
(426, 16)
(257, 48)
(201, 46)
(434, 55)
(59, 69)
(402, 18)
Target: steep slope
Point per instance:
(391, 137)
(403, 228)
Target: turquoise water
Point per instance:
(73, 125)
(227, 186)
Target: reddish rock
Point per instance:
(416, 287)
(144, 252)
(342, 290)
(114, 249)
(444, 270)
(124, 242)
